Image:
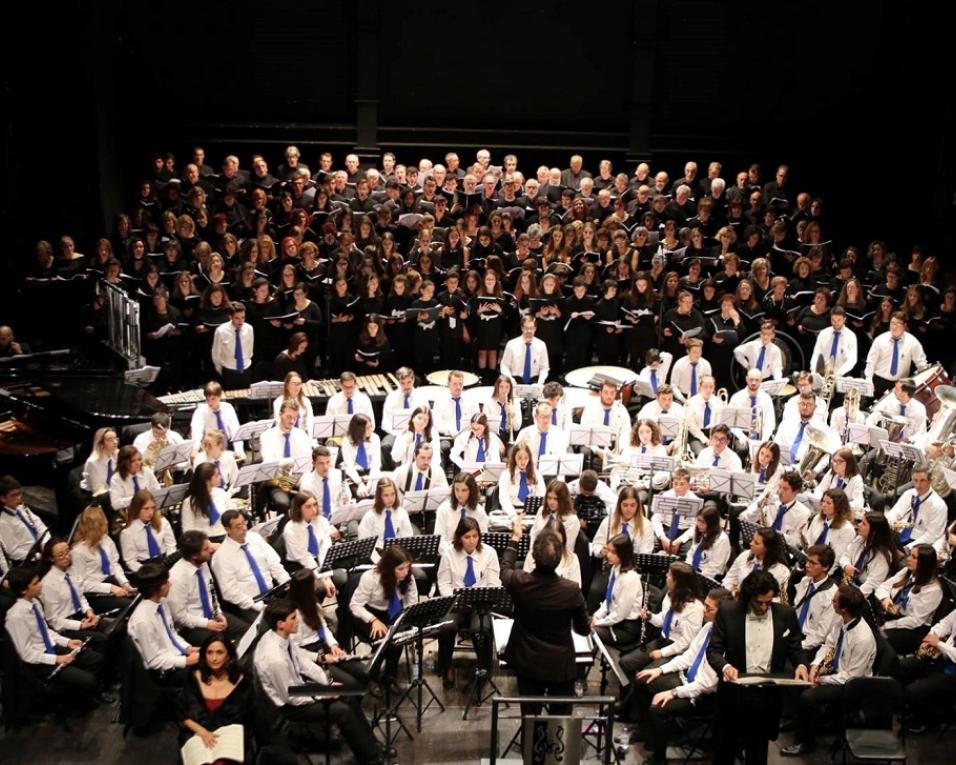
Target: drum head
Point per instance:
(790, 350)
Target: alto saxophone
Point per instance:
(152, 455)
(762, 514)
(826, 666)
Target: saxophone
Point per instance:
(928, 652)
(826, 666)
(762, 512)
(829, 381)
(152, 455)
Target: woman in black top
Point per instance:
(166, 350)
(640, 309)
(309, 322)
(342, 323)
(213, 311)
(810, 320)
(292, 359)
(400, 331)
(373, 353)
(579, 317)
(607, 339)
(550, 320)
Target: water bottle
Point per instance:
(622, 741)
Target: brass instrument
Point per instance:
(826, 666)
(829, 382)
(762, 511)
(152, 455)
(851, 408)
(723, 395)
(818, 444)
(680, 447)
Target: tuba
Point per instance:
(818, 444)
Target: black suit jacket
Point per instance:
(547, 607)
(728, 644)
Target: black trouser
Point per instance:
(247, 615)
(364, 631)
(905, 641)
(82, 676)
(235, 629)
(639, 694)
(747, 717)
(528, 686)
(481, 636)
(640, 658)
(233, 380)
(625, 632)
(103, 603)
(929, 692)
(349, 718)
(809, 704)
(881, 385)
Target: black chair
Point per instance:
(870, 707)
(128, 433)
(141, 697)
(20, 691)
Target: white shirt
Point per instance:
(492, 408)
(465, 448)
(134, 542)
(296, 537)
(663, 369)
(795, 517)
(454, 565)
(838, 422)
(403, 449)
(204, 420)
(224, 346)
(192, 516)
(627, 598)
(745, 563)
(695, 411)
(946, 629)
(95, 470)
(879, 359)
(373, 524)
(820, 614)
(373, 454)
(682, 371)
(370, 594)
(447, 519)
(314, 484)
(512, 360)
(713, 562)
(15, 535)
(875, 568)
(144, 439)
(237, 582)
(272, 444)
(306, 636)
(87, 566)
(508, 490)
(684, 625)
(227, 467)
(643, 538)
(918, 610)
(406, 477)
(395, 402)
(857, 651)
(123, 489)
(556, 441)
(444, 414)
(705, 681)
(150, 627)
(305, 417)
(185, 603)
(619, 420)
(846, 356)
(758, 634)
(726, 460)
(58, 600)
(21, 624)
(338, 404)
(747, 355)
(853, 489)
(913, 410)
(930, 520)
(791, 409)
(280, 663)
(742, 400)
(837, 538)
(570, 522)
(787, 434)
(685, 523)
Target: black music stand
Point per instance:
(376, 671)
(653, 566)
(498, 541)
(532, 505)
(590, 508)
(273, 592)
(421, 548)
(325, 695)
(481, 600)
(425, 617)
(348, 555)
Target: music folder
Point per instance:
(172, 455)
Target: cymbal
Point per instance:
(440, 377)
(947, 395)
(787, 390)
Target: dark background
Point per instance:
(855, 96)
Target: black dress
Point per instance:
(550, 328)
(489, 326)
(341, 333)
(426, 339)
(236, 709)
(607, 340)
(579, 334)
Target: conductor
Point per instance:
(547, 608)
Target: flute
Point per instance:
(74, 652)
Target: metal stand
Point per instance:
(482, 601)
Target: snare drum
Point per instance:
(926, 383)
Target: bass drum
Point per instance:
(793, 358)
(926, 383)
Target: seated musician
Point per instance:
(476, 444)
(324, 482)
(553, 393)
(662, 405)
(519, 480)
(766, 553)
(710, 549)
(804, 383)
(192, 597)
(317, 635)
(20, 528)
(245, 566)
(40, 647)
(542, 437)
(101, 464)
(350, 400)
(453, 411)
(844, 473)
(608, 411)
(688, 370)
(525, 358)
(719, 454)
(902, 404)
(920, 513)
(767, 467)
(463, 502)
(557, 506)
(762, 353)
(674, 536)
(628, 519)
(839, 417)
(503, 406)
(96, 563)
(159, 435)
(421, 430)
(784, 512)
(292, 391)
(763, 417)
(673, 627)
(279, 664)
(569, 566)
(308, 536)
(617, 620)
(386, 519)
(870, 555)
(284, 442)
(811, 597)
(147, 535)
(589, 488)
(645, 438)
(703, 412)
(466, 563)
(405, 399)
(792, 434)
(910, 599)
(214, 414)
(214, 451)
(163, 650)
(853, 654)
(361, 453)
(893, 356)
(833, 525)
(657, 365)
(382, 594)
(205, 503)
(130, 478)
(930, 675)
(66, 608)
(684, 685)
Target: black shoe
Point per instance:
(105, 698)
(448, 680)
(787, 724)
(797, 750)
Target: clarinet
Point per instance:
(74, 652)
(216, 611)
(643, 608)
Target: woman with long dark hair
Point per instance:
(710, 551)
(617, 620)
(205, 503)
(910, 599)
(767, 552)
(869, 557)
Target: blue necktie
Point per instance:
(835, 346)
(395, 606)
(861, 561)
(203, 594)
(695, 667)
(389, 527)
(805, 608)
(169, 630)
(74, 595)
(104, 562)
(907, 533)
(152, 546)
(902, 410)
(287, 447)
(135, 484)
(26, 522)
(674, 531)
(607, 418)
(716, 460)
(109, 471)
(419, 482)
(44, 632)
(838, 650)
(693, 378)
(666, 626)
(213, 513)
(326, 499)
(903, 596)
(480, 457)
(407, 402)
(654, 381)
(609, 592)
(527, 364)
(470, 577)
(522, 487)
(822, 538)
(706, 414)
(260, 580)
(778, 521)
(361, 457)
(240, 362)
(504, 417)
(625, 529)
(351, 409)
(462, 512)
(762, 475)
(698, 556)
(457, 413)
(761, 356)
(222, 483)
(219, 423)
(543, 444)
(795, 446)
(840, 483)
(643, 449)
(313, 542)
(554, 416)
(895, 363)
